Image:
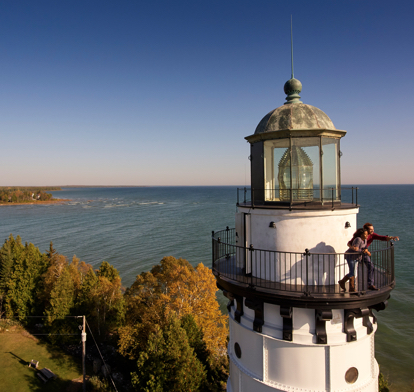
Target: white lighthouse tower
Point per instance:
(292, 328)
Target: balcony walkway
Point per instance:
(227, 270)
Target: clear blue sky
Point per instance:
(164, 92)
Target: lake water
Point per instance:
(134, 228)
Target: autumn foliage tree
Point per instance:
(106, 298)
(175, 289)
(74, 288)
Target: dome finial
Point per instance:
(293, 86)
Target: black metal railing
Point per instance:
(296, 272)
(328, 196)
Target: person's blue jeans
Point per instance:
(370, 266)
(351, 260)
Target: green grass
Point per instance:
(18, 348)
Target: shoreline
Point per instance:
(57, 201)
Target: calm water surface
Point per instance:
(133, 228)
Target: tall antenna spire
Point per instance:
(291, 44)
(293, 86)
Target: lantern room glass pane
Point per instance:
(330, 168)
(298, 180)
(309, 178)
(273, 152)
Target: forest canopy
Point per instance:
(167, 325)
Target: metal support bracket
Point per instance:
(380, 306)
(349, 322)
(349, 315)
(374, 318)
(239, 310)
(377, 307)
(366, 322)
(321, 317)
(230, 296)
(286, 313)
(257, 306)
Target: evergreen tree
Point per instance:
(85, 301)
(6, 260)
(107, 271)
(168, 363)
(51, 253)
(21, 268)
(216, 368)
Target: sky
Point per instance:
(164, 92)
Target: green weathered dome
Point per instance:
(296, 116)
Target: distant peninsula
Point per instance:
(28, 195)
(102, 186)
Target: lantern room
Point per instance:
(295, 154)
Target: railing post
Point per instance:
(212, 249)
(227, 243)
(392, 263)
(251, 250)
(237, 196)
(356, 196)
(245, 191)
(363, 272)
(306, 254)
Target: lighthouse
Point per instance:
(292, 328)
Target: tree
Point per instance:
(216, 367)
(21, 270)
(58, 263)
(51, 253)
(174, 286)
(168, 362)
(108, 298)
(107, 271)
(175, 289)
(7, 254)
(62, 297)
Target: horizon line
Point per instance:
(148, 186)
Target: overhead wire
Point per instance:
(99, 351)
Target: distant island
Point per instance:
(28, 195)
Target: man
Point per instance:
(367, 256)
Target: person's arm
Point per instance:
(376, 236)
(356, 245)
(364, 249)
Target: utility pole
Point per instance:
(83, 353)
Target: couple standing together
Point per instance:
(358, 250)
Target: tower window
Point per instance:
(237, 350)
(351, 375)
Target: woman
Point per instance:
(357, 248)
